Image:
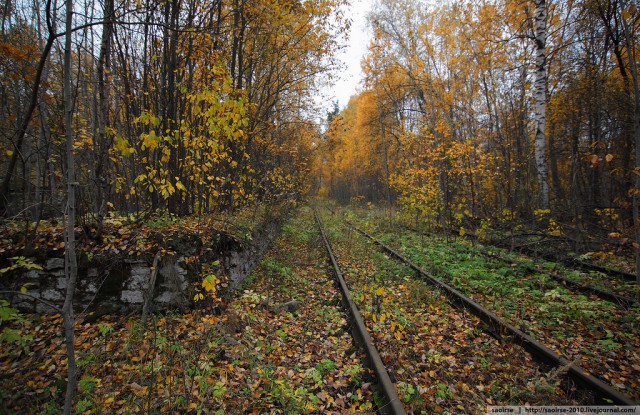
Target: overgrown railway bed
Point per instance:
(609, 284)
(591, 276)
(572, 262)
(282, 345)
(441, 359)
(621, 283)
(601, 336)
(570, 283)
(391, 403)
(618, 282)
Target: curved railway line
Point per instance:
(614, 277)
(571, 262)
(592, 389)
(568, 261)
(624, 300)
(574, 285)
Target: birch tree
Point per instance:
(540, 92)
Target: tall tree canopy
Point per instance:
(182, 105)
(497, 108)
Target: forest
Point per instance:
(469, 111)
(508, 110)
(188, 141)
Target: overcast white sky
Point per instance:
(349, 79)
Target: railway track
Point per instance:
(391, 404)
(569, 283)
(509, 332)
(436, 325)
(620, 286)
(568, 261)
(572, 262)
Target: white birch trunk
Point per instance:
(541, 102)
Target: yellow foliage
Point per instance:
(210, 283)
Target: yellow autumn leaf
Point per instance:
(209, 283)
(150, 140)
(166, 154)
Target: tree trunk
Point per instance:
(26, 120)
(387, 174)
(71, 265)
(170, 119)
(152, 283)
(103, 144)
(541, 101)
(631, 48)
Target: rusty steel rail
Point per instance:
(568, 282)
(609, 271)
(572, 262)
(507, 332)
(393, 405)
(575, 285)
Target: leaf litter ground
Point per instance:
(281, 345)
